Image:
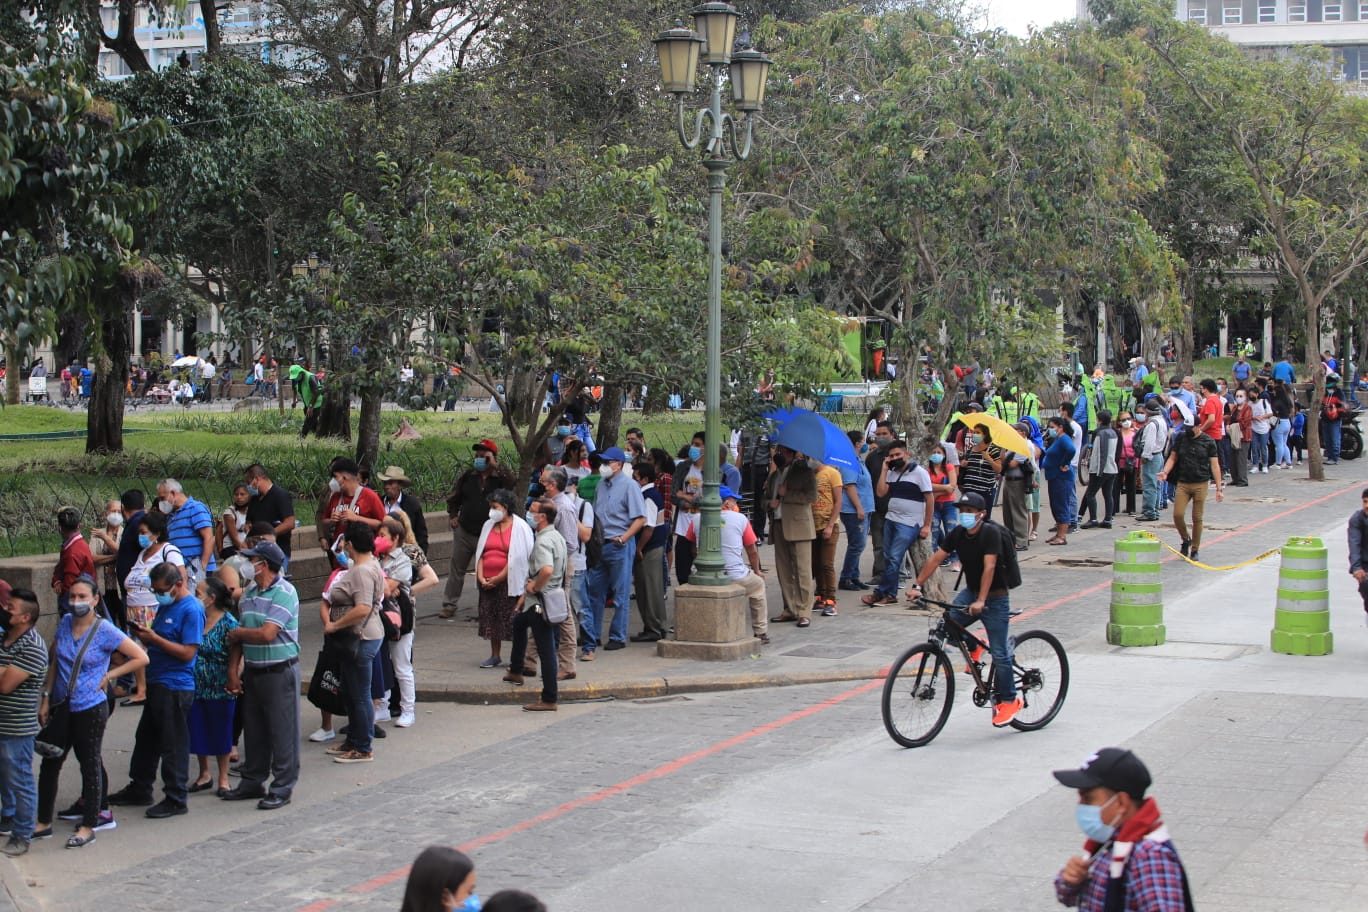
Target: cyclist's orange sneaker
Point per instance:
(977, 655)
(1004, 713)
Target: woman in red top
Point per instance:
(501, 571)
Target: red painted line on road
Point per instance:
(659, 772)
(1049, 606)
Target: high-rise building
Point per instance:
(1276, 26)
(179, 39)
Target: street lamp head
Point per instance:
(313, 261)
(716, 23)
(299, 270)
(678, 49)
(749, 70)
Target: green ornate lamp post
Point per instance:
(723, 138)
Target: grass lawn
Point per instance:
(208, 450)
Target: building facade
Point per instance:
(173, 38)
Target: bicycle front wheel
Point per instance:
(918, 694)
(1041, 670)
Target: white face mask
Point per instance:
(114, 519)
(334, 486)
(166, 506)
(496, 514)
(1240, 400)
(607, 469)
(1125, 422)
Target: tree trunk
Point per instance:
(1315, 459)
(1184, 343)
(213, 37)
(334, 415)
(368, 427)
(657, 398)
(610, 416)
(105, 414)
(12, 368)
(125, 40)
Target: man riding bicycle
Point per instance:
(985, 595)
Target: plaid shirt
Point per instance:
(1154, 881)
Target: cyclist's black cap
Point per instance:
(1113, 768)
(972, 502)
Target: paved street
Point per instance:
(693, 798)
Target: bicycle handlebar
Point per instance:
(940, 604)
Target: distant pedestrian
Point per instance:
(75, 559)
(543, 604)
(1192, 463)
(1358, 548)
(1128, 862)
(442, 879)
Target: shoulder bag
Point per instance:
(55, 738)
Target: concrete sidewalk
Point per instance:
(1067, 585)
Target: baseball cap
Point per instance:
(269, 552)
(1154, 407)
(972, 501)
(725, 492)
(486, 444)
(1112, 768)
(613, 454)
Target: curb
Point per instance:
(15, 885)
(502, 694)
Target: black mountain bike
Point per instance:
(920, 688)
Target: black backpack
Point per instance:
(1007, 555)
(593, 548)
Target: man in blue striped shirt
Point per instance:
(190, 526)
(268, 641)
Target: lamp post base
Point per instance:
(712, 623)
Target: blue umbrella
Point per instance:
(811, 434)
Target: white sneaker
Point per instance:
(382, 715)
(323, 734)
(405, 720)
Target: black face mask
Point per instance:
(6, 618)
(897, 464)
(780, 460)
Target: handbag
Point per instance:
(55, 738)
(391, 619)
(326, 688)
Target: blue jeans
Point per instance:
(1149, 484)
(996, 618)
(1259, 453)
(612, 577)
(945, 518)
(856, 531)
(1330, 439)
(18, 785)
(356, 678)
(1281, 454)
(897, 540)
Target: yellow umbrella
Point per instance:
(1002, 433)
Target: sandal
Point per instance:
(1057, 541)
(784, 618)
(76, 842)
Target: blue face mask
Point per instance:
(563, 430)
(144, 541)
(164, 598)
(968, 520)
(471, 904)
(481, 463)
(695, 453)
(1089, 817)
(343, 560)
(937, 458)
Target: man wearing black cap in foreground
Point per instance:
(980, 544)
(1130, 865)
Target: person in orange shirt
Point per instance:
(826, 518)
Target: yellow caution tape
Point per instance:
(1252, 560)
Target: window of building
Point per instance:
(1334, 12)
(1363, 12)
(1268, 12)
(1231, 15)
(1296, 12)
(1197, 14)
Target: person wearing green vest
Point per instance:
(310, 393)
(1028, 404)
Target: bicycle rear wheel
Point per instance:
(1041, 670)
(918, 694)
